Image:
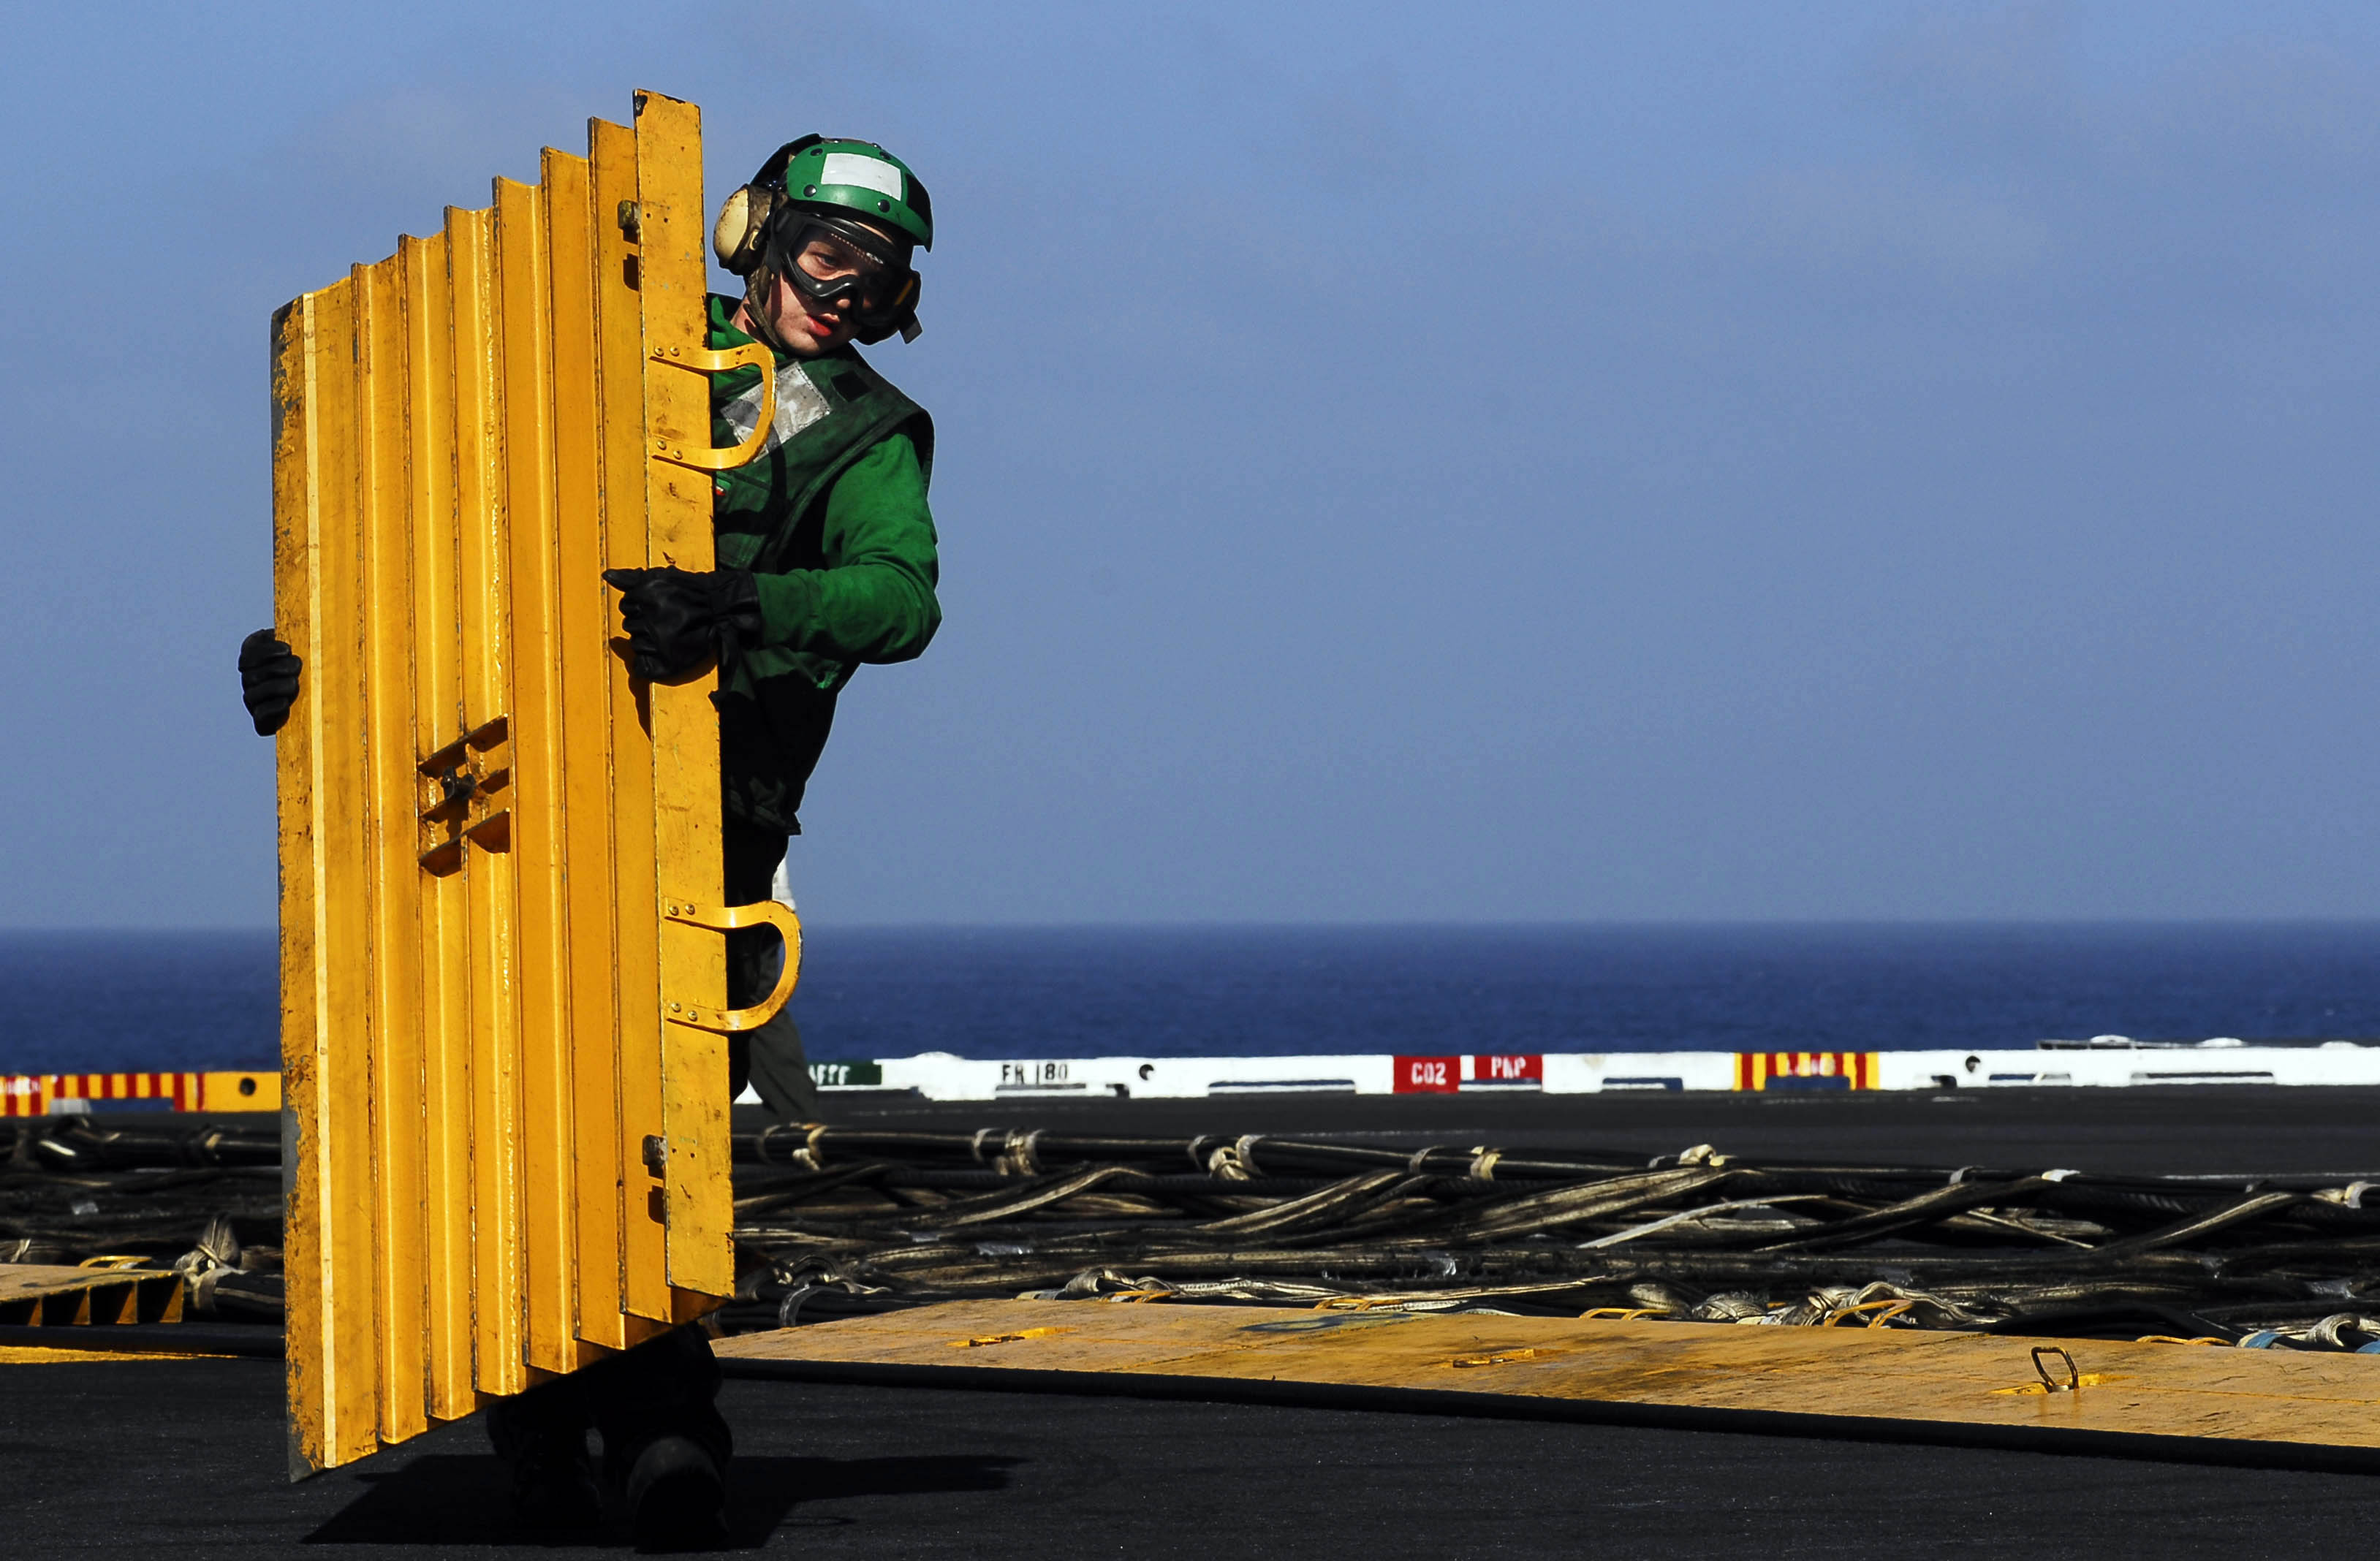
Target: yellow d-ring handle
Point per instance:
(732, 918)
(702, 361)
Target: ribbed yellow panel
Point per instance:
(398, 1142)
(444, 935)
(673, 278)
(620, 385)
(504, 1161)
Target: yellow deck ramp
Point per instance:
(40, 1294)
(2159, 1400)
(502, 979)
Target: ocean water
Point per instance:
(122, 1000)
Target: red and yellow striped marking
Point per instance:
(1805, 1070)
(32, 1095)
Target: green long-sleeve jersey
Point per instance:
(833, 521)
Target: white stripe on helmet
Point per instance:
(868, 172)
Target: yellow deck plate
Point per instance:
(46, 1293)
(2157, 1400)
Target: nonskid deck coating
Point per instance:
(127, 1458)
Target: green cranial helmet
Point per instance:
(818, 191)
(860, 178)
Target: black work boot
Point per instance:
(553, 1487)
(665, 1446)
(677, 1496)
(544, 1446)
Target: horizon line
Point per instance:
(1384, 925)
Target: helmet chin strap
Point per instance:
(760, 306)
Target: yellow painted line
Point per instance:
(44, 1355)
(2151, 1399)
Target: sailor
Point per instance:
(826, 561)
(826, 549)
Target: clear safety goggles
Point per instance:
(846, 266)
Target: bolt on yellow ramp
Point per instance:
(2082, 1395)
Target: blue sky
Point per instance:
(1702, 461)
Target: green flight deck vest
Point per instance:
(777, 703)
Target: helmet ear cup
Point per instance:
(736, 238)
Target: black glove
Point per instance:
(268, 680)
(678, 620)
